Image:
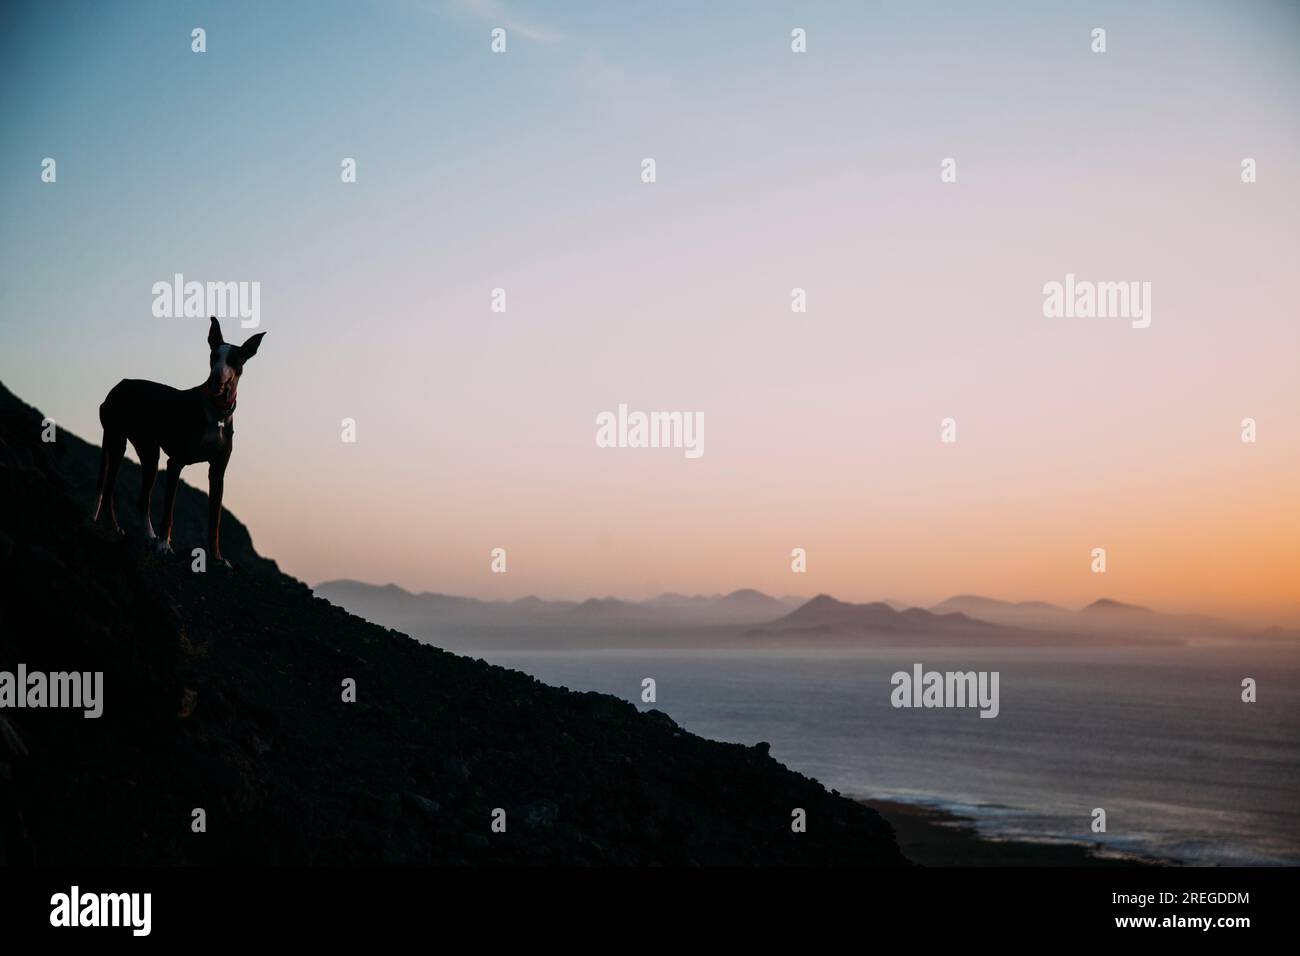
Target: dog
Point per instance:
(194, 425)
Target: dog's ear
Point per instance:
(249, 348)
(214, 334)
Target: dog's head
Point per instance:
(227, 364)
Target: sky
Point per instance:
(774, 170)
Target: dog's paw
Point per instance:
(161, 547)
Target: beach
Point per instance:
(932, 837)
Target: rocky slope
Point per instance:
(223, 691)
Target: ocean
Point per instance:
(1159, 738)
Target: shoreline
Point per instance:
(929, 836)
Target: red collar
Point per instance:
(220, 410)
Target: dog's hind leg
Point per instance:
(103, 475)
(148, 473)
(110, 460)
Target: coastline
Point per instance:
(938, 838)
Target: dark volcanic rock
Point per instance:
(224, 691)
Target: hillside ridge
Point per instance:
(222, 691)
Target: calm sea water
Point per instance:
(1158, 737)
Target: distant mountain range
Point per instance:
(752, 618)
(397, 607)
(1100, 617)
(827, 621)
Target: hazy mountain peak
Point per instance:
(345, 583)
(1107, 604)
(974, 599)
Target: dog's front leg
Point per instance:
(216, 485)
(169, 503)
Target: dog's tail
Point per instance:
(108, 408)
